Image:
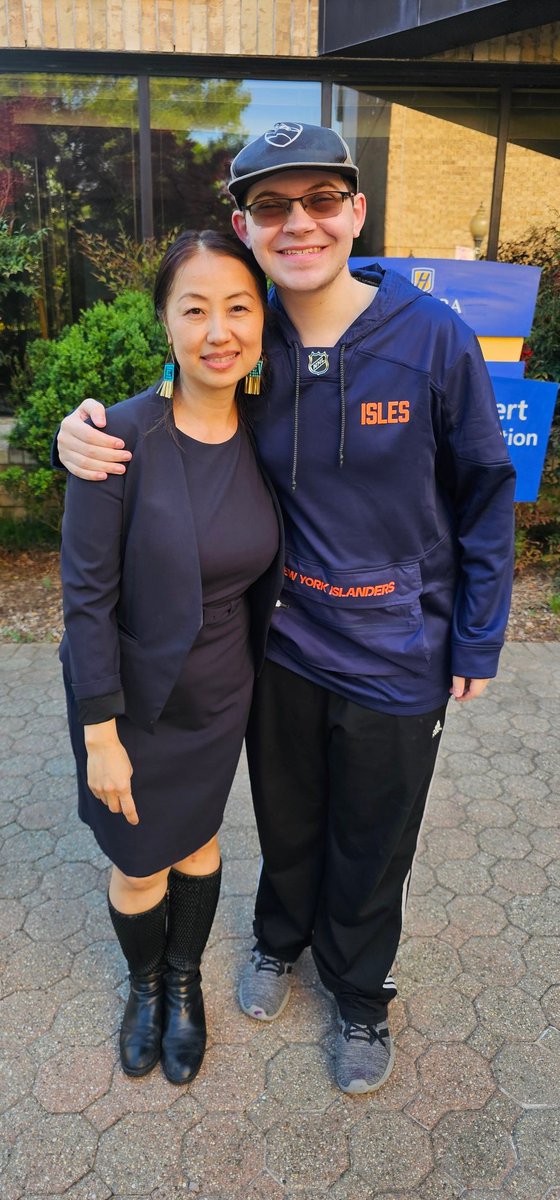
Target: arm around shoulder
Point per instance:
(84, 449)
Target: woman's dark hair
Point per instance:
(190, 243)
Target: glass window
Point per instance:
(198, 126)
(69, 166)
(426, 161)
(531, 196)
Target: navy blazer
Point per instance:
(131, 573)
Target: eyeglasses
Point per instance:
(273, 210)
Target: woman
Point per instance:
(170, 574)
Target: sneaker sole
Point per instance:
(359, 1087)
(258, 1014)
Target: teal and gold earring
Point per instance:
(166, 386)
(253, 380)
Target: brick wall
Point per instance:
(437, 175)
(279, 27)
(541, 45)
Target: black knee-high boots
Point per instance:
(142, 940)
(192, 907)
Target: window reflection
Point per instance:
(198, 126)
(69, 164)
(531, 195)
(426, 161)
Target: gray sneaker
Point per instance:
(364, 1056)
(264, 988)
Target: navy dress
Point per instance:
(184, 769)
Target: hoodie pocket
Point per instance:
(366, 621)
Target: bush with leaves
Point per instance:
(20, 268)
(112, 352)
(541, 248)
(538, 524)
(20, 253)
(124, 262)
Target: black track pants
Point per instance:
(339, 794)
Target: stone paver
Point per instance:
(453, 1077)
(472, 1110)
(391, 1152)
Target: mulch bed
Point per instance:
(30, 601)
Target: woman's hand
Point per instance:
(86, 452)
(109, 769)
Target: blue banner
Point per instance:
(515, 370)
(525, 408)
(495, 299)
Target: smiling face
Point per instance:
(214, 319)
(302, 254)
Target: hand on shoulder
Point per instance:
(86, 451)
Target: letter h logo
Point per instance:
(423, 278)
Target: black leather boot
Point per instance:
(192, 906)
(184, 1030)
(142, 940)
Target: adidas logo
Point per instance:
(438, 728)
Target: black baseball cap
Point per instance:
(289, 146)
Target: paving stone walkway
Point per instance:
(472, 1110)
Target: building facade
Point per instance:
(118, 119)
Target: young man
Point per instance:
(380, 433)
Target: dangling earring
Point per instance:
(253, 380)
(166, 386)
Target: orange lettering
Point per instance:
(394, 412)
(338, 592)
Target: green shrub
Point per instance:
(123, 262)
(541, 248)
(26, 534)
(538, 524)
(20, 286)
(20, 256)
(112, 352)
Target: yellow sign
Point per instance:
(501, 349)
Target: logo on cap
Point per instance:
(282, 135)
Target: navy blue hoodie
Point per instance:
(396, 487)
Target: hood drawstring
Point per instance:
(342, 407)
(296, 422)
(296, 415)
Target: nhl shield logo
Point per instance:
(318, 362)
(423, 278)
(282, 134)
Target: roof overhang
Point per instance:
(414, 28)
